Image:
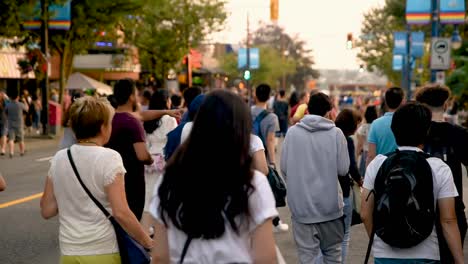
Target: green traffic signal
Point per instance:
(247, 75)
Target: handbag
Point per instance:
(277, 187)
(131, 252)
(356, 216)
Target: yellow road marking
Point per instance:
(22, 200)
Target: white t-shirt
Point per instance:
(444, 187)
(230, 248)
(256, 143)
(158, 139)
(364, 131)
(84, 230)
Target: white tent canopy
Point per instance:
(79, 81)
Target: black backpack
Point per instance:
(404, 210)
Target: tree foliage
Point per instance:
(88, 17)
(166, 29)
(291, 47)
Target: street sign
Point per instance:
(440, 54)
(254, 58)
(440, 77)
(400, 43)
(397, 62)
(417, 44)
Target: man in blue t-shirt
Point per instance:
(381, 138)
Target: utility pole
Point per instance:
(247, 82)
(45, 52)
(435, 30)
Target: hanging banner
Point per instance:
(254, 62)
(417, 44)
(418, 12)
(452, 11)
(400, 43)
(397, 62)
(60, 17)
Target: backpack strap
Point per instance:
(185, 249)
(258, 120)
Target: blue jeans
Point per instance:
(348, 213)
(405, 261)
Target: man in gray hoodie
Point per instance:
(315, 154)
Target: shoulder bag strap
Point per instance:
(184, 251)
(98, 204)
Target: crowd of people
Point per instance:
(188, 178)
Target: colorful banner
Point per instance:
(418, 12)
(254, 58)
(417, 44)
(400, 43)
(452, 11)
(60, 17)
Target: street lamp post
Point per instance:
(45, 80)
(435, 29)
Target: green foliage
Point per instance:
(164, 34)
(291, 47)
(272, 67)
(88, 17)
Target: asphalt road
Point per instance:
(26, 238)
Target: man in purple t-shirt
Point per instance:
(128, 138)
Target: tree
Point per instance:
(165, 34)
(269, 71)
(87, 19)
(293, 48)
(376, 48)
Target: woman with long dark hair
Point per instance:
(210, 201)
(156, 138)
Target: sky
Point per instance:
(323, 24)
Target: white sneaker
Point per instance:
(281, 227)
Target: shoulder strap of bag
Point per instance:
(185, 249)
(98, 204)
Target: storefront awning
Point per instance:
(9, 68)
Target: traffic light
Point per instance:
(349, 42)
(247, 75)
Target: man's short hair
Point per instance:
(123, 89)
(88, 114)
(176, 100)
(282, 93)
(263, 93)
(319, 104)
(433, 95)
(411, 123)
(190, 94)
(393, 97)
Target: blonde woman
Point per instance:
(86, 236)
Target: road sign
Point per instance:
(440, 54)
(440, 77)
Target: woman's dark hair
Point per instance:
(371, 114)
(158, 101)
(347, 120)
(197, 196)
(410, 124)
(319, 104)
(293, 100)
